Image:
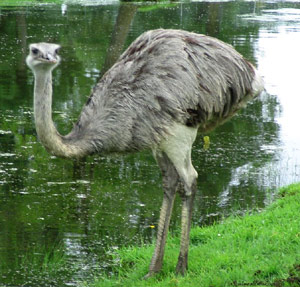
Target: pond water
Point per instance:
(59, 219)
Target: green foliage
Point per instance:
(27, 2)
(164, 5)
(259, 249)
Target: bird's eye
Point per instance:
(35, 51)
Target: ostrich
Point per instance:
(167, 86)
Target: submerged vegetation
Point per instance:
(261, 249)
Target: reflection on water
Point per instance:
(74, 212)
(282, 83)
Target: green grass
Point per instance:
(14, 3)
(261, 249)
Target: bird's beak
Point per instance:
(50, 58)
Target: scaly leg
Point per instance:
(186, 218)
(178, 148)
(170, 184)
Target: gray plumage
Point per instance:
(164, 76)
(165, 87)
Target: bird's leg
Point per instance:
(187, 195)
(178, 148)
(170, 183)
(174, 159)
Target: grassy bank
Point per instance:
(260, 249)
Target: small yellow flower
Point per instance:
(152, 226)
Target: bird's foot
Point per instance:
(148, 275)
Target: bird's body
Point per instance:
(163, 77)
(165, 87)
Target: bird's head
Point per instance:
(43, 56)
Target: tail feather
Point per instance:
(257, 84)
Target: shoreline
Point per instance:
(258, 249)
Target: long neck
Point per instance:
(45, 127)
